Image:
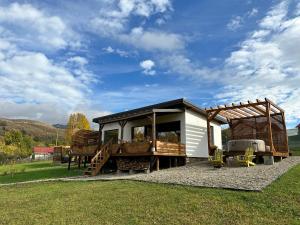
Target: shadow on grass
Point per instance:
(41, 174)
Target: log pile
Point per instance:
(133, 163)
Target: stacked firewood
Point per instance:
(85, 137)
(133, 163)
(85, 142)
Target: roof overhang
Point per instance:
(174, 106)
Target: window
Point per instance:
(111, 134)
(169, 132)
(138, 133)
(212, 141)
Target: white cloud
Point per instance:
(235, 23)
(253, 12)
(34, 28)
(153, 40)
(117, 51)
(114, 20)
(148, 66)
(275, 17)
(267, 63)
(79, 60)
(33, 85)
(114, 17)
(183, 66)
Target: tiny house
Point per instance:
(168, 132)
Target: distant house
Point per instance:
(42, 152)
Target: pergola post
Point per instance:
(269, 123)
(154, 132)
(284, 127)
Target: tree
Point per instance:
(77, 121)
(17, 144)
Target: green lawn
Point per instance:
(129, 202)
(34, 171)
(295, 151)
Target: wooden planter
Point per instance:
(136, 147)
(114, 148)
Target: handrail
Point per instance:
(102, 149)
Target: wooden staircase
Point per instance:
(99, 160)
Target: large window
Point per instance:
(111, 134)
(138, 133)
(169, 132)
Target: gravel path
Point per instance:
(202, 174)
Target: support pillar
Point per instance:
(157, 164)
(154, 132)
(100, 133)
(122, 124)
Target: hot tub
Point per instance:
(242, 144)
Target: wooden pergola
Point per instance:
(253, 120)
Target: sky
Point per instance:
(104, 56)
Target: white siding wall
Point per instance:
(193, 131)
(196, 134)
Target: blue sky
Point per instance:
(104, 56)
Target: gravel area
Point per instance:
(204, 175)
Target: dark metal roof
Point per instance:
(147, 110)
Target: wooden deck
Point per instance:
(145, 149)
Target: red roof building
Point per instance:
(43, 150)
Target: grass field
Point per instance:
(128, 202)
(34, 171)
(295, 151)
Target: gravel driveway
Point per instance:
(202, 174)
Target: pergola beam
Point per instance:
(235, 106)
(274, 105)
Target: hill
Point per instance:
(39, 131)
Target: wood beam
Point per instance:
(210, 116)
(226, 115)
(236, 113)
(249, 111)
(274, 105)
(122, 124)
(235, 106)
(285, 131)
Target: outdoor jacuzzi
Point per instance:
(242, 144)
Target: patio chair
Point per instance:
(217, 159)
(246, 160)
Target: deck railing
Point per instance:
(168, 147)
